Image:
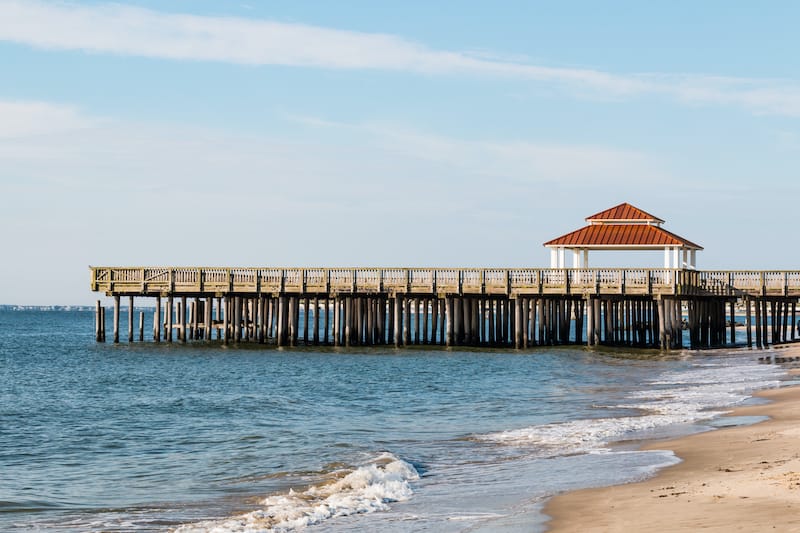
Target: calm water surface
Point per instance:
(200, 437)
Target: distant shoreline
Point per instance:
(9, 307)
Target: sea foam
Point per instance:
(365, 489)
(676, 397)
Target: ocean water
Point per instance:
(199, 437)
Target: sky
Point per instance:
(362, 133)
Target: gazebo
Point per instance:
(623, 227)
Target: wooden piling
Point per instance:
(98, 317)
(315, 336)
(434, 320)
(337, 320)
(182, 316)
(280, 336)
(417, 309)
(116, 319)
(294, 316)
(785, 335)
(442, 321)
(130, 318)
(170, 319)
(590, 318)
(306, 310)
(103, 323)
(406, 321)
(157, 320)
(208, 313)
(450, 321)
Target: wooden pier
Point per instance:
(512, 308)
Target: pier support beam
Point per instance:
(130, 318)
(337, 321)
(406, 321)
(182, 316)
(116, 319)
(208, 311)
(450, 325)
(99, 323)
(157, 320)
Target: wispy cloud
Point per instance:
(26, 118)
(118, 29)
(126, 30)
(46, 139)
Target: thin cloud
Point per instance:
(26, 118)
(379, 156)
(126, 30)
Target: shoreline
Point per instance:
(741, 478)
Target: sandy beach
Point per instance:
(744, 478)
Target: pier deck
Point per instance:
(517, 307)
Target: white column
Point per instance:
(693, 259)
(585, 258)
(576, 258)
(561, 257)
(685, 259)
(666, 257)
(553, 258)
(676, 259)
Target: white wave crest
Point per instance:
(678, 397)
(366, 489)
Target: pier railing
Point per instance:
(629, 281)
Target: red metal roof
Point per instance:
(624, 211)
(621, 235)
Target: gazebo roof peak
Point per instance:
(624, 213)
(622, 227)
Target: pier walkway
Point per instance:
(518, 307)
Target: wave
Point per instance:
(366, 489)
(677, 397)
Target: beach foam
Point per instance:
(365, 489)
(676, 397)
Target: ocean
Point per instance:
(201, 437)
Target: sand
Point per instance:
(744, 478)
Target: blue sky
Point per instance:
(369, 133)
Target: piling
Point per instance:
(116, 319)
(130, 318)
(141, 326)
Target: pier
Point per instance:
(492, 307)
(504, 308)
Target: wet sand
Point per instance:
(744, 478)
